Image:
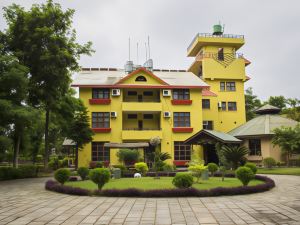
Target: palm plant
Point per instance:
(234, 154)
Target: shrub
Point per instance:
(8, 173)
(244, 174)
(234, 154)
(212, 168)
(252, 166)
(169, 168)
(183, 180)
(95, 164)
(197, 170)
(27, 171)
(128, 156)
(62, 175)
(99, 176)
(54, 163)
(99, 164)
(65, 162)
(141, 167)
(83, 172)
(269, 162)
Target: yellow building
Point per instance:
(129, 107)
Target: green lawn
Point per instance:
(280, 171)
(162, 183)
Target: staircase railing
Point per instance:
(224, 59)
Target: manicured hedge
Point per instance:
(188, 192)
(24, 171)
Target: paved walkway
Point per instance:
(26, 202)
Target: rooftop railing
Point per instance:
(215, 36)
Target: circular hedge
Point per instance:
(177, 192)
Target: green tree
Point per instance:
(43, 40)
(277, 101)
(251, 103)
(293, 111)
(288, 139)
(234, 154)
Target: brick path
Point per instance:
(26, 202)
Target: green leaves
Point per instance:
(234, 154)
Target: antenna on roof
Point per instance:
(137, 53)
(129, 48)
(146, 51)
(149, 46)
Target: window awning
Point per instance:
(211, 135)
(127, 145)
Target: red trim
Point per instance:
(140, 86)
(182, 129)
(101, 130)
(138, 71)
(208, 93)
(181, 102)
(99, 101)
(180, 162)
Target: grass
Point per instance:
(280, 171)
(147, 183)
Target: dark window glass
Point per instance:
(132, 93)
(99, 152)
(182, 151)
(148, 116)
(254, 147)
(231, 106)
(223, 107)
(205, 104)
(148, 93)
(101, 93)
(100, 119)
(221, 54)
(230, 86)
(132, 116)
(182, 119)
(181, 94)
(141, 78)
(208, 125)
(222, 86)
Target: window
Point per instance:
(99, 152)
(132, 116)
(100, 119)
(205, 104)
(230, 86)
(223, 106)
(221, 54)
(222, 86)
(254, 147)
(181, 94)
(231, 106)
(208, 125)
(182, 151)
(100, 93)
(131, 93)
(182, 119)
(148, 116)
(141, 78)
(148, 93)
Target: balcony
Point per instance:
(202, 39)
(145, 134)
(142, 106)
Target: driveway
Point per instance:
(27, 202)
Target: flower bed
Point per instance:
(189, 192)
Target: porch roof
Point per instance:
(211, 134)
(127, 145)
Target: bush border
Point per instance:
(189, 192)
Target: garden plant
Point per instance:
(183, 180)
(83, 172)
(62, 175)
(244, 174)
(212, 168)
(141, 167)
(269, 162)
(99, 176)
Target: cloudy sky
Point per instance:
(270, 28)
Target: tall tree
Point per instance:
(251, 103)
(43, 40)
(278, 101)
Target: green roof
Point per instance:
(216, 135)
(262, 125)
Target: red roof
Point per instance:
(208, 93)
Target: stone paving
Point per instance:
(26, 202)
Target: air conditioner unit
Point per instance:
(166, 93)
(167, 114)
(219, 104)
(113, 114)
(116, 92)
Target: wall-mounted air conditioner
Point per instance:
(113, 114)
(166, 93)
(115, 92)
(167, 114)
